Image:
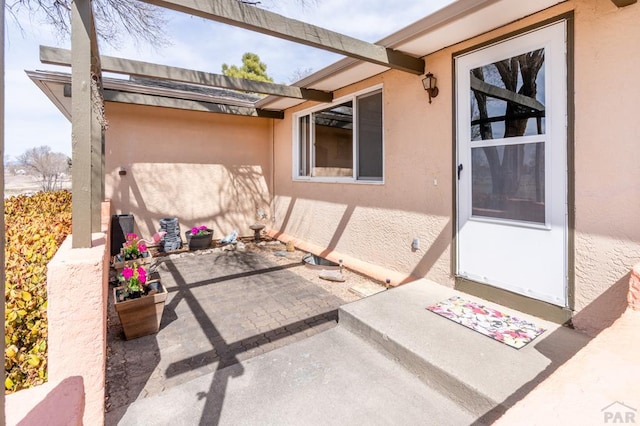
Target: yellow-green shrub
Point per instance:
(35, 227)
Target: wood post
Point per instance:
(86, 129)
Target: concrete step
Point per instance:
(332, 378)
(481, 375)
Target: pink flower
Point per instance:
(142, 247)
(132, 236)
(200, 230)
(127, 273)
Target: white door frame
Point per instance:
(524, 258)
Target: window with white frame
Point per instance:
(342, 142)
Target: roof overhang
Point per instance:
(450, 25)
(57, 87)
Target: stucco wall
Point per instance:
(77, 320)
(607, 175)
(202, 168)
(376, 223)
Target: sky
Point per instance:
(31, 119)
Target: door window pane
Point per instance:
(507, 97)
(508, 182)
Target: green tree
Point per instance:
(252, 68)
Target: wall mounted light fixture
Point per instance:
(429, 83)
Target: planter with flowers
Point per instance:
(199, 237)
(139, 302)
(133, 250)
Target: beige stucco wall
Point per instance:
(376, 223)
(607, 176)
(202, 168)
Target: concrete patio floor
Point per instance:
(222, 308)
(389, 361)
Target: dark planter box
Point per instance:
(199, 242)
(121, 225)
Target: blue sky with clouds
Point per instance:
(32, 120)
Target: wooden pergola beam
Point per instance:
(57, 56)
(504, 94)
(236, 13)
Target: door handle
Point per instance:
(460, 167)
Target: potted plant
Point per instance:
(139, 302)
(199, 237)
(133, 249)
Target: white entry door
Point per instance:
(511, 116)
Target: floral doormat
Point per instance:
(490, 322)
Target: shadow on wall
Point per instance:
(66, 400)
(219, 196)
(605, 310)
(439, 245)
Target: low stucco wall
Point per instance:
(203, 168)
(595, 387)
(51, 404)
(77, 285)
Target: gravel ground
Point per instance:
(340, 289)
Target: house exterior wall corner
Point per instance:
(634, 288)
